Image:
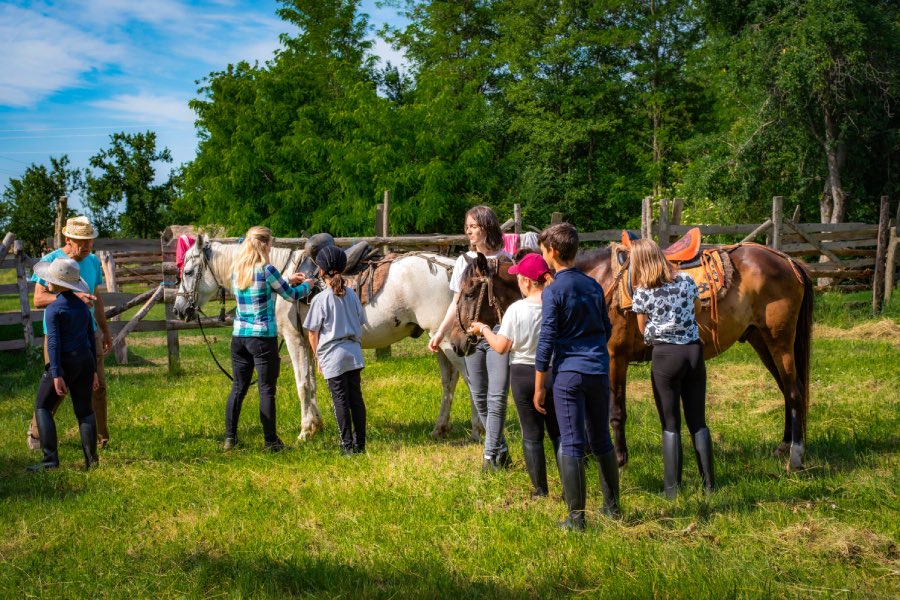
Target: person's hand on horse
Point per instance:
(59, 385)
(540, 395)
(434, 344)
(477, 328)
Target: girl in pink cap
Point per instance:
(518, 335)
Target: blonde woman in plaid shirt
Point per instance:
(254, 340)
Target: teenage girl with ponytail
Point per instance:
(335, 321)
(254, 341)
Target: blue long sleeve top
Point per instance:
(575, 326)
(70, 328)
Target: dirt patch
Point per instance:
(885, 330)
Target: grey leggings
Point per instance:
(489, 384)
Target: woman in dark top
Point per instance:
(72, 367)
(666, 303)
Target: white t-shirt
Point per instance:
(462, 263)
(522, 324)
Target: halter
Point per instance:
(193, 294)
(486, 283)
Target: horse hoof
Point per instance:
(440, 433)
(795, 464)
(782, 449)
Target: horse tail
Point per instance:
(803, 335)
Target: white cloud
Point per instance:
(111, 12)
(386, 53)
(43, 55)
(148, 108)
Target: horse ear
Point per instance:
(481, 264)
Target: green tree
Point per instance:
(126, 175)
(816, 82)
(29, 204)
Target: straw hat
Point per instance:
(63, 272)
(79, 228)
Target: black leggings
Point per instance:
(521, 381)
(248, 353)
(78, 373)
(678, 371)
(349, 409)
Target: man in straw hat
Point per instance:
(79, 236)
(72, 364)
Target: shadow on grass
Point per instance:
(316, 576)
(60, 484)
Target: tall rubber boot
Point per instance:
(609, 483)
(47, 431)
(671, 451)
(557, 454)
(571, 471)
(536, 465)
(87, 427)
(703, 452)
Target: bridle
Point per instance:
(486, 287)
(193, 293)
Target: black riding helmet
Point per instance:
(332, 260)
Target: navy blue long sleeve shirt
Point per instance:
(575, 326)
(70, 327)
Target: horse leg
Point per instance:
(795, 403)
(449, 378)
(618, 376)
(755, 339)
(305, 379)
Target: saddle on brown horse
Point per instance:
(710, 268)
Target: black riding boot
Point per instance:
(571, 472)
(536, 465)
(609, 483)
(47, 431)
(87, 427)
(703, 452)
(671, 451)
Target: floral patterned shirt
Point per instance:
(670, 311)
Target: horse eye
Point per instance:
(189, 273)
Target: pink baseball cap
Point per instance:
(531, 266)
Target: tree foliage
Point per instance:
(29, 204)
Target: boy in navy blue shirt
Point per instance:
(72, 366)
(574, 333)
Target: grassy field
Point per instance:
(170, 514)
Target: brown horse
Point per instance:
(769, 303)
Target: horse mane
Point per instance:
(493, 264)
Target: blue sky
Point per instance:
(76, 71)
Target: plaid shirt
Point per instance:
(255, 316)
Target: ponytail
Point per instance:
(337, 284)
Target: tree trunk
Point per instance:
(834, 203)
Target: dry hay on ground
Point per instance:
(885, 330)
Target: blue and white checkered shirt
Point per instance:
(255, 316)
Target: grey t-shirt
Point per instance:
(339, 321)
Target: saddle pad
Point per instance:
(370, 280)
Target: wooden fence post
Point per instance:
(663, 223)
(22, 284)
(386, 220)
(112, 285)
(677, 208)
(878, 279)
(777, 219)
(891, 262)
(555, 218)
(382, 222)
(170, 280)
(6, 244)
(62, 209)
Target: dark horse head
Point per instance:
(486, 291)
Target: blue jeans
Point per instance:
(582, 403)
(489, 384)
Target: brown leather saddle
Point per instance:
(366, 270)
(710, 268)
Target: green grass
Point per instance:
(170, 514)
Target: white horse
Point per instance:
(414, 300)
